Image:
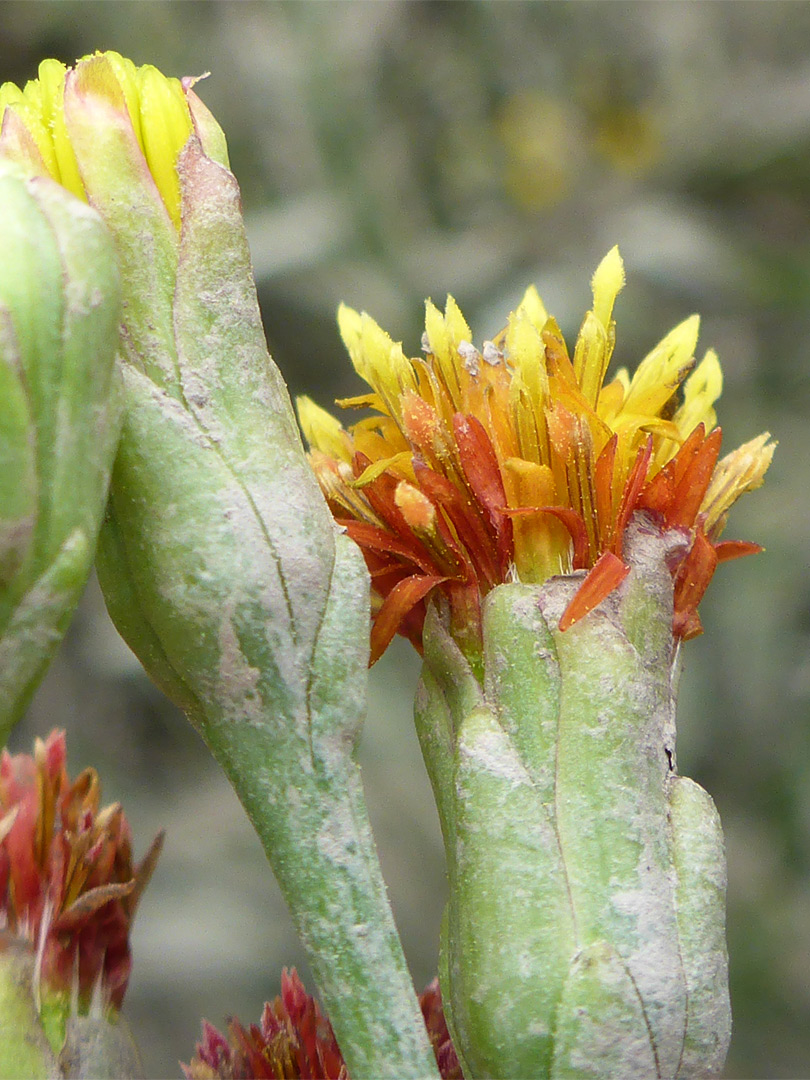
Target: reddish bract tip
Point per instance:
(606, 575)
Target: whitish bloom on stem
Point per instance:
(517, 461)
(219, 560)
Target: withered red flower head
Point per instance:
(295, 1041)
(67, 881)
(518, 462)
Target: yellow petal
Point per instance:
(611, 397)
(166, 126)
(700, 391)
(360, 401)
(591, 358)
(607, 283)
(533, 308)
(376, 358)
(528, 484)
(126, 75)
(444, 333)
(541, 542)
(10, 94)
(52, 87)
(27, 104)
(527, 355)
(322, 430)
(456, 323)
(377, 468)
(349, 327)
(662, 370)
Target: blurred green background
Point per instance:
(391, 151)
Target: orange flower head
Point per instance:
(67, 882)
(517, 461)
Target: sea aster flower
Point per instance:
(295, 1041)
(518, 462)
(67, 882)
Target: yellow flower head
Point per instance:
(516, 461)
(56, 122)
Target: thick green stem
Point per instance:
(302, 790)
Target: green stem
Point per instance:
(324, 858)
(302, 790)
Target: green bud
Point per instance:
(584, 935)
(59, 418)
(223, 570)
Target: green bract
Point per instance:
(584, 935)
(59, 417)
(24, 1046)
(42, 1039)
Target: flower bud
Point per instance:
(60, 408)
(295, 1040)
(220, 563)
